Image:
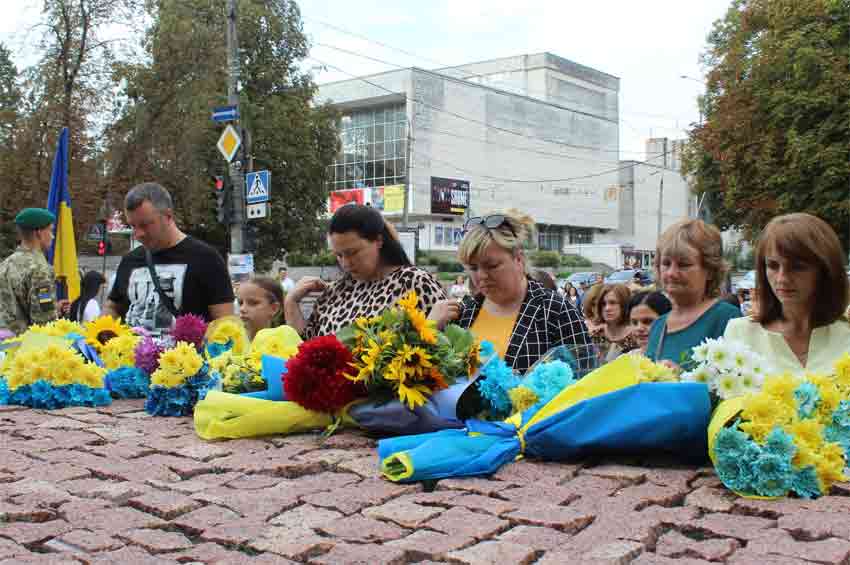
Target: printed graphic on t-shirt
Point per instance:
(146, 307)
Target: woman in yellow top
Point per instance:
(802, 292)
(517, 314)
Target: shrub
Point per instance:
(449, 266)
(575, 261)
(545, 259)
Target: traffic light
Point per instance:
(249, 238)
(223, 200)
(101, 248)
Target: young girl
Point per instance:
(260, 304)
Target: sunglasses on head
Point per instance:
(491, 222)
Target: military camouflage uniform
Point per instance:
(27, 290)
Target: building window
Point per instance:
(447, 236)
(581, 236)
(549, 239)
(373, 149)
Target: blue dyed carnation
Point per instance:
(773, 475)
(4, 391)
(548, 380)
(494, 383)
(216, 349)
(781, 444)
(807, 396)
(805, 483)
(128, 382)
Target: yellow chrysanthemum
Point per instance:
(176, 365)
(101, 330)
(842, 372)
(229, 330)
(120, 351)
(55, 364)
(807, 432)
(781, 388)
(522, 398)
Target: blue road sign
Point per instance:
(225, 114)
(257, 187)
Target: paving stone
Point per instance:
(563, 518)
(747, 557)
(134, 555)
(772, 509)
(39, 559)
(156, 541)
(10, 512)
(29, 533)
(201, 519)
(89, 541)
(638, 497)
(307, 516)
(43, 491)
(367, 554)
(780, 542)
(118, 493)
(167, 505)
(61, 472)
(486, 504)
(8, 548)
(731, 526)
(614, 553)
(361, 529)
(526, 472)
(535, 493)
(494, 553)
(260, 504)
(406, 514)
(234, 533)
(121, 519)
(463, 522)
(369, 492)
(674, 544)
(711, 499)
(653, 559)
(474, 484)
(203, 451)
(320, 482)
(427, 544)
(623, 473)
(253, 482)
(364, 466)
(535, 537)
(810, 525)
(78, 510)
(198, 483)
(294, 543)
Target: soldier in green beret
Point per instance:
(27, 284)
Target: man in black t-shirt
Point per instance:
(191, 273)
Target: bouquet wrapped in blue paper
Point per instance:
(181, 380)
(622, 407)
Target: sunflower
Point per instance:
(473, 359)
(409, 301)
(414, 395)
(101, 330)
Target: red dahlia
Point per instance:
(315, 376)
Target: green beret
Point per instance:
(35, 218)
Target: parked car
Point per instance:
(626, 276)
(577, 279)
(747, 282)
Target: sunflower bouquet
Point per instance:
(401, 355)
(181, 379)
(45, 371)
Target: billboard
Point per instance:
(449, 196)
(387, 199)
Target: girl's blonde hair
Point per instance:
(511, 235)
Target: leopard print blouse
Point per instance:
(346, 300)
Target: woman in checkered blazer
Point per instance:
(517, 314)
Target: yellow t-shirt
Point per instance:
(495, 329)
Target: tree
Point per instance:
(10, 101)
(164, 129)
(777, 110)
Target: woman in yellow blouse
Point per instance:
(802, 292)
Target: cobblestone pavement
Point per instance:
(114, 485)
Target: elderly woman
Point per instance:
(516, 313)
(377, 273)
(801, 289)
(613, 337)
(690, 268)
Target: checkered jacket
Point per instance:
(545, 320)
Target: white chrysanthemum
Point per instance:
(748, 382)
(699, 375)
(728, 386)
(700, 352)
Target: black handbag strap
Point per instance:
(156, 284)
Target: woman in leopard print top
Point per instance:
(377, 274)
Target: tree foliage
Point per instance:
(777, 109)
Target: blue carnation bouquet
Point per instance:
(181, 380)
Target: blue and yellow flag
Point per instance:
(63, 253)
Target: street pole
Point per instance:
(237, 179)
(660, 204)
(407, 184)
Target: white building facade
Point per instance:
(537, 133)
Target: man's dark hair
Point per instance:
(154, 193)
(369, 224)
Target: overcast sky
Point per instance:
(648, 44)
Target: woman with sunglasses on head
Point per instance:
(801, 290)
(516, 313)
(376, 271)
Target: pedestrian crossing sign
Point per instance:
(257, 187)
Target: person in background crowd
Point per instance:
(802, 294)
(514, 312)
(377, 273)
(27, 283)
(613, 336)
(744, 301)
(573, 297)
(260, 304)
(636, 285)
(644, 308)
(458, 289)
(565, 290)
(589, 303)
(171, 273)
(690, 269)
(286, 283)
(731, 299)
(86, 308)
(544, 278)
